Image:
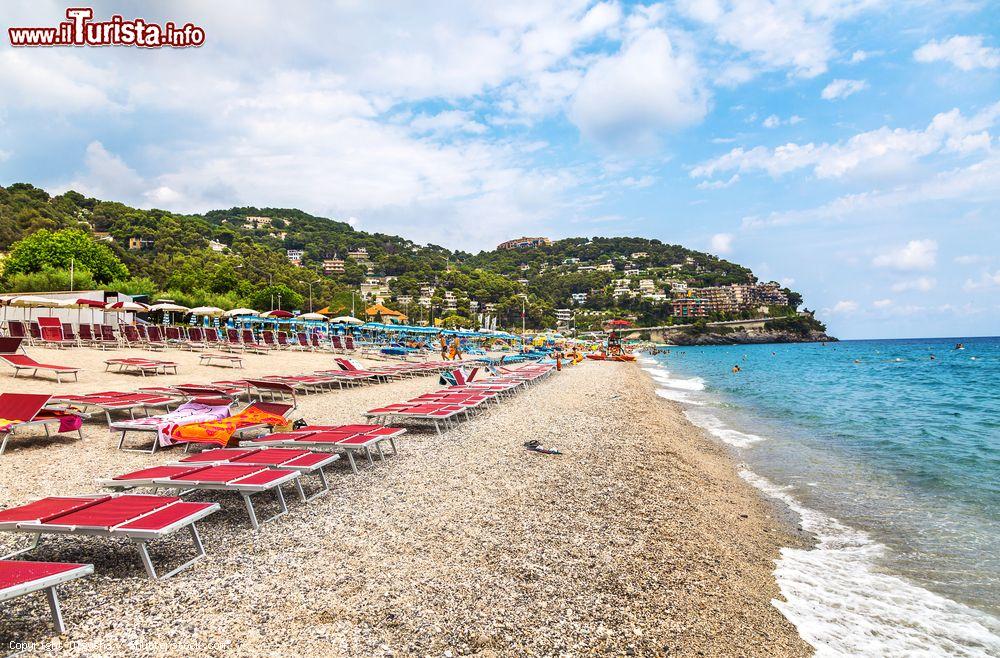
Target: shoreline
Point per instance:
(640, 539)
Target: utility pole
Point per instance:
(72, 272)
(524, 299)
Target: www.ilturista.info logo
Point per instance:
(81, 30)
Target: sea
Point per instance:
(888, 451)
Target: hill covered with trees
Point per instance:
(249, 257)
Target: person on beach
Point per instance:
(456, 349)
(444, 346)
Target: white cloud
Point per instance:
(977, 183)
(964, 52)
(773, 121)
(914, 255)
(52, 81)
(920, 284)
(448, 122)
(631, 98)
(970, 259)
(777, 34)
(872, 152)
(638, 182)
(882, 303)
(859, 56)
(722, 243)
(718, 184)
(986, 280)
(841, 88)
(843, 307)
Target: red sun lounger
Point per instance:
(227, 360)
(19, 578)
(245, 480)
(305, 462)
(141, 519)
(349, 438)
(9, 354)
(109, 401)
(142, 366)
(19, 410)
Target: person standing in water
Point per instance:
(736, 369)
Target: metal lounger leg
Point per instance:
(148, 562)
(325, 488)
(33, 546)
(50, 594)
(350, 459)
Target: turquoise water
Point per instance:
(892, 460)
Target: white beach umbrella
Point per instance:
(126, 307)
(31, 301)
(311, 316)
(170, 307)
(346, 319)
(206, 310)
(240, 311)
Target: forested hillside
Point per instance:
(240, 257)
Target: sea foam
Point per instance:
(842, 604)
(721, 431)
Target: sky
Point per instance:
(846, 148)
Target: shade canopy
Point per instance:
(346, 319)
(239, 311)
(169, 306)
(126, 307)
(83, 302)
(206, 310)
(311, 316)
(32, 301)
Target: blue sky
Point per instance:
(845, 147)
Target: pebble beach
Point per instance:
(640, 539)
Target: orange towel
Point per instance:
(220, 432)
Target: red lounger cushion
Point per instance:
(166, 516)
(266, 476)
(272, 456)
(216, 474)
(157, 472)
(28, 362)
(219, 455)
(20, 572)
(113, 511)
(47, 508)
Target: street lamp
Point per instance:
(524, 300)
(311, 293)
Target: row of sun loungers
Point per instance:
(444, 407)
(52, 332)
(242, 461)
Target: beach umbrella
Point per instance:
(239, 311)
(29, 302)
(206, 310)
(170, 307)
(79, 305)
(311, 316)
(126, 307)
(346, 319)
(278, 313)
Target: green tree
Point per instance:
(48, 249)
